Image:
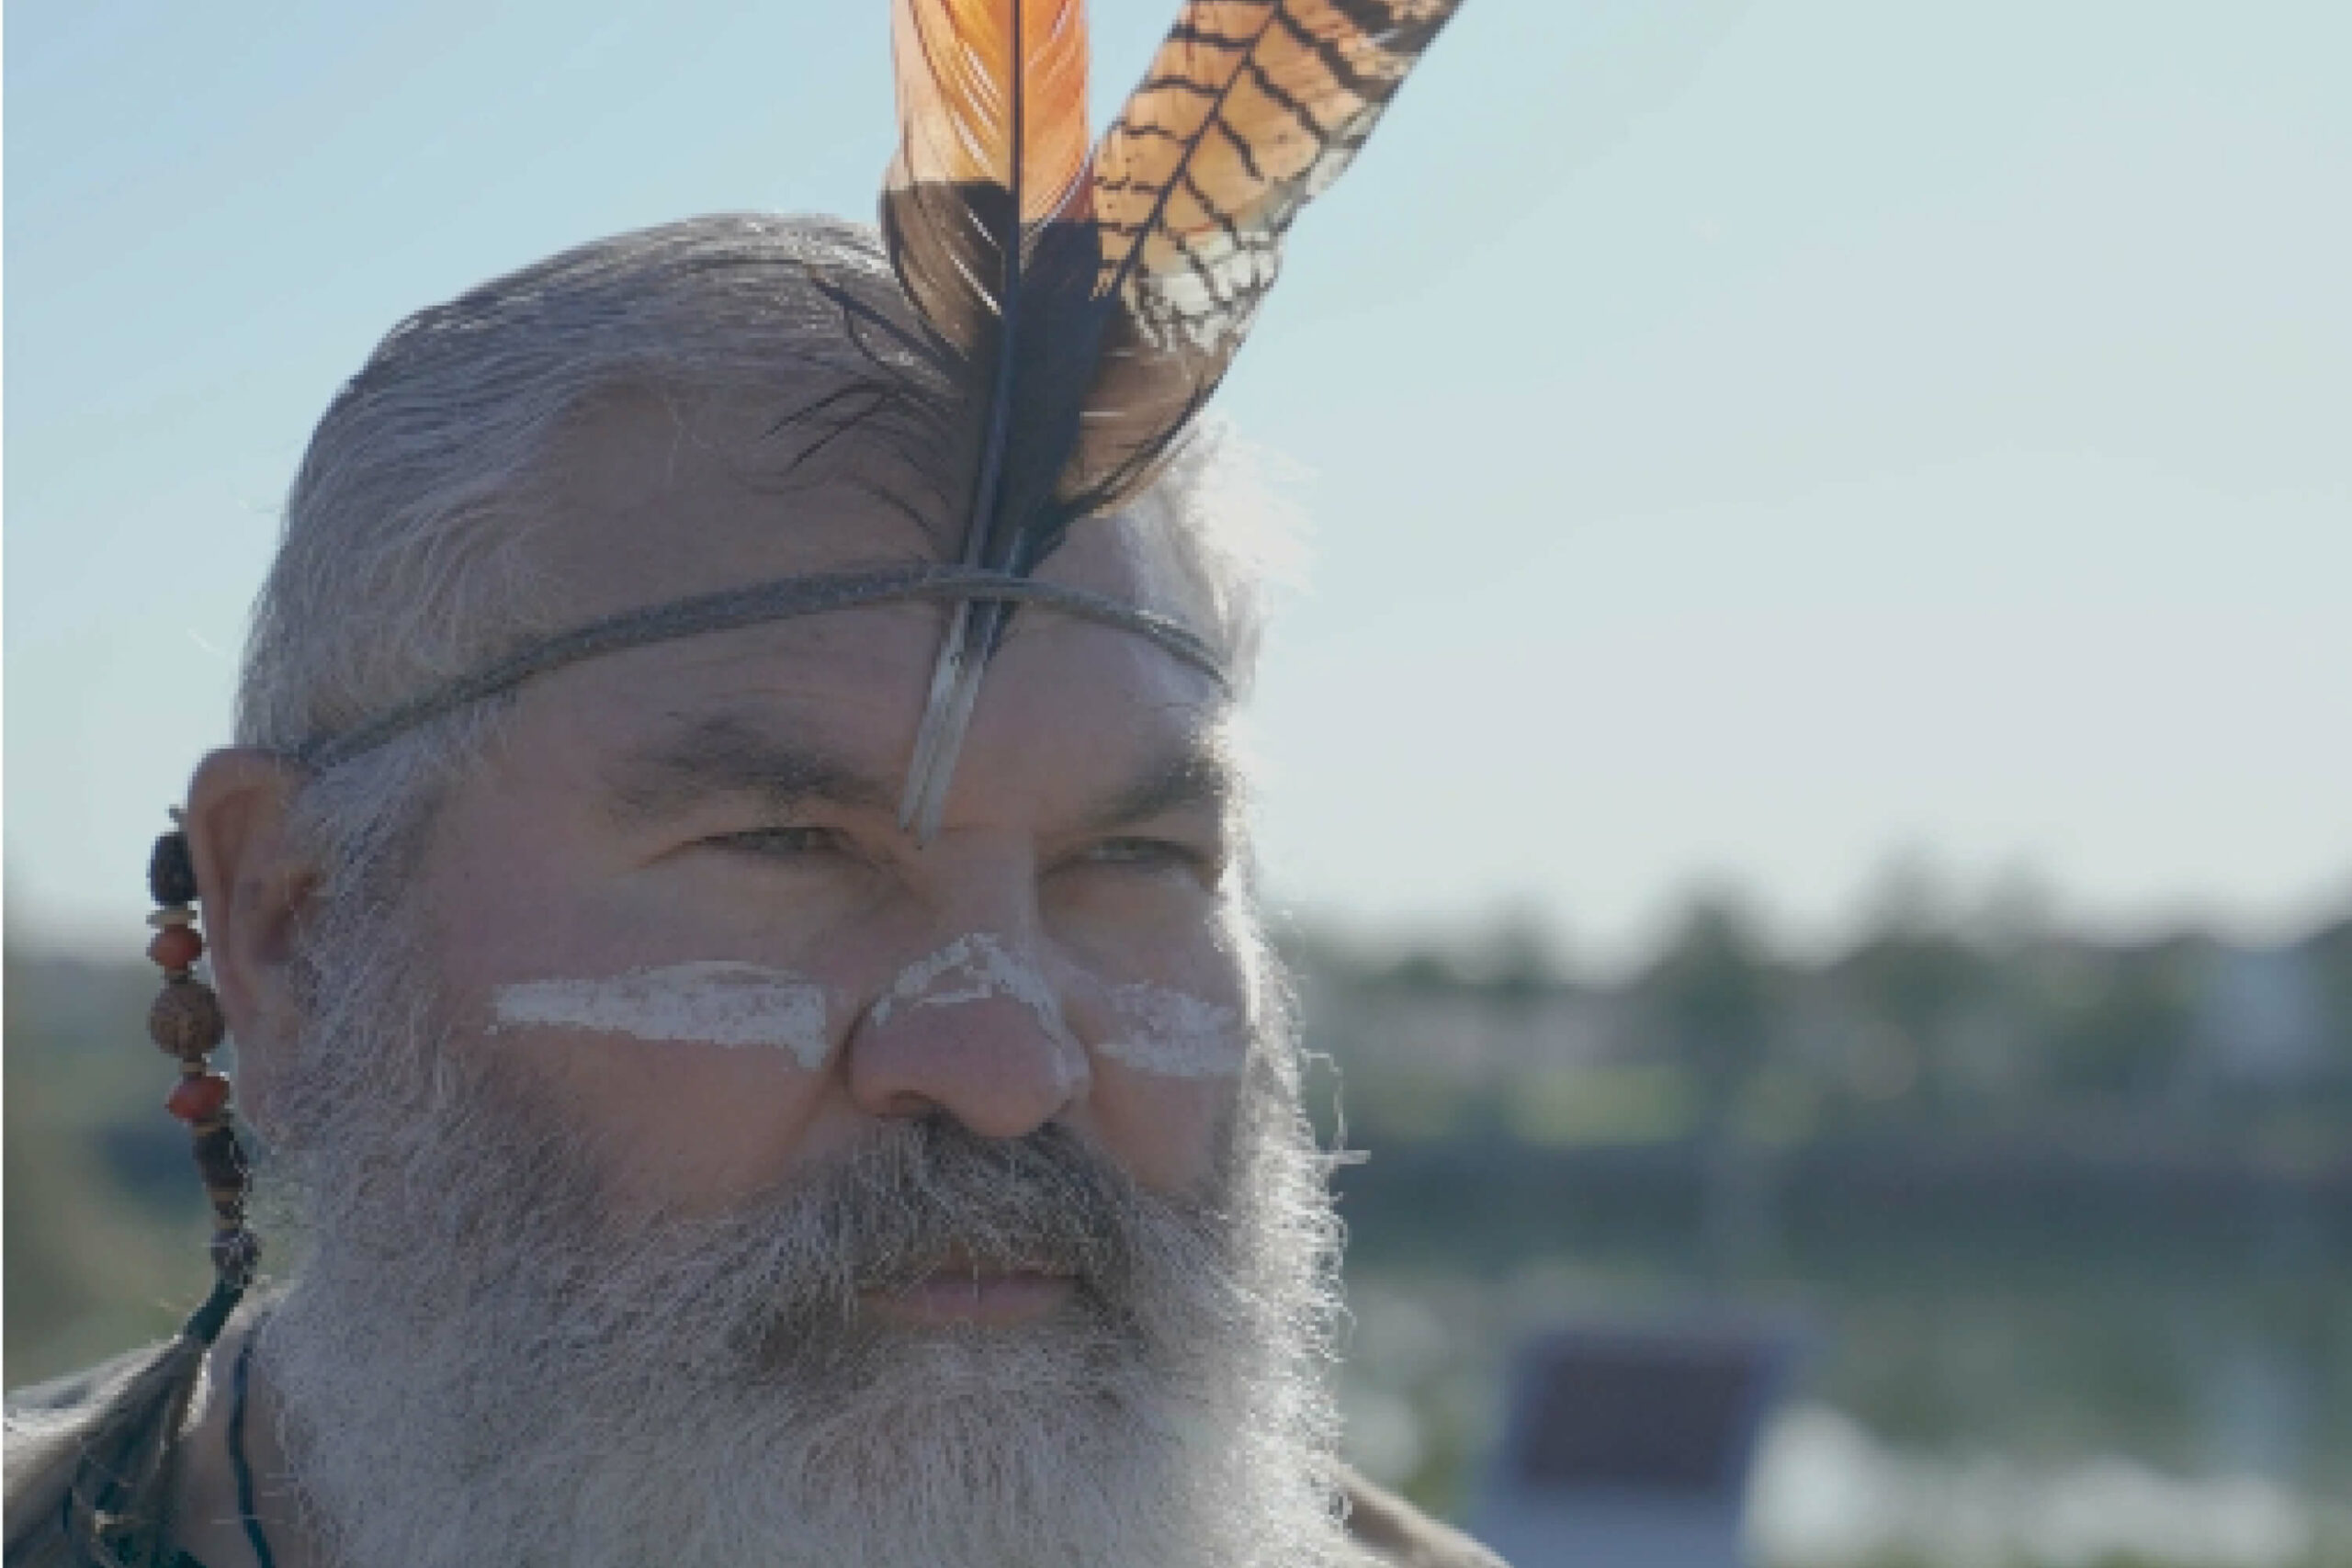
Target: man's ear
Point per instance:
(256, 884)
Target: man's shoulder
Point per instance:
(1398, 1535)
(62, 1398)
(54, 1430)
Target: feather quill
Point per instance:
(1091, 306)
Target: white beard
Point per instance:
(477, 1366)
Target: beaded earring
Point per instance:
(185, 1021)
(112, 1480)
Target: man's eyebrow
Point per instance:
(1199, 771)
(726, 755)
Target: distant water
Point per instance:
(1827, 1493)
(2025, 1412)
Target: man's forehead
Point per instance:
(653, 493)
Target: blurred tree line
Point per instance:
(1923, 1022)
(1939, 1084)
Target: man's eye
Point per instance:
(781, 843)
(1153, 854)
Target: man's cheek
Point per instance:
(1167, 1132)
(692, 1095)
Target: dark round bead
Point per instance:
(171, 873)
(235, 1254)
(219, 1158)
(185, 1020)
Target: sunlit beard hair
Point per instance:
(476, 1364)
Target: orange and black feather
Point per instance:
(985, 212)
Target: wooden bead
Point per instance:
(174, 915)
(185, 1020)
(177, 947)
(171, 871)
(198, 1098)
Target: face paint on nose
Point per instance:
(1174, 1035)
(710, 1003)
(980, 967)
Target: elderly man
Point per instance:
(694, 1162)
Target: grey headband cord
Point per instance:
(731, 609)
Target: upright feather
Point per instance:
(984, 211)
(1092, 310)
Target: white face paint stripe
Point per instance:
(1166, 1032)
(1175, 1035)
(713, 1002)
(979, 967)
(972, 968)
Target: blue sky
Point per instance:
(1742, 441)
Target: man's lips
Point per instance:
(957, 1293)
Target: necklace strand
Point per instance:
(246, 1514)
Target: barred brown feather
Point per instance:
(1250, 109)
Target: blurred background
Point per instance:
(1806, 789)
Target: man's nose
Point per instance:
(972, 1030)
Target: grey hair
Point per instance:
(405, 561)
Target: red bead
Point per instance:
(201, 1096)
(177, 947)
